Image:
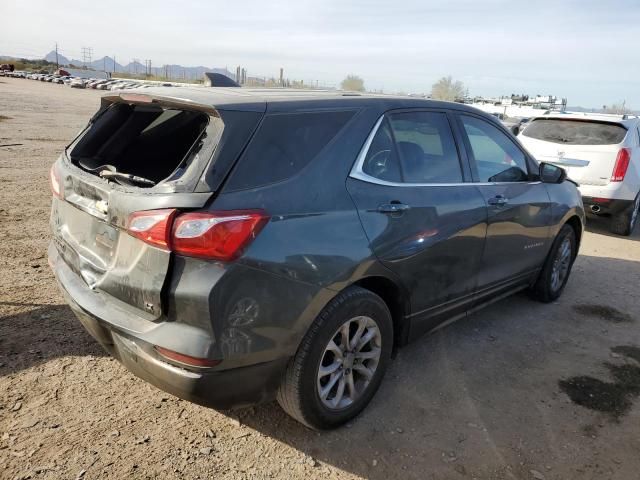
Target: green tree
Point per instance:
(353, 82)
(447, 89)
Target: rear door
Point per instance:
(423, 220)
(518, 206)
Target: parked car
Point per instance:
(117, 85)
(601, 153)
(95, 84)
(78, 83)
(106, 85)
(231, 248)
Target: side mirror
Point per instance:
(515, 129)
(550, 173)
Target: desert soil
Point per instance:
(519, 390)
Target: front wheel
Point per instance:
(340, 362)
(624, 223)
(557, 267)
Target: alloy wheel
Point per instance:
(349, 362)
(561, 265)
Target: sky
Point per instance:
(585, 50)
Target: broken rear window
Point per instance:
(145, 141)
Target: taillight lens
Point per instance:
(622, 164)
(216, 235)
(55, 182)
(152, 227)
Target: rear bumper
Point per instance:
(131, 341)
(626, 190)
(605, 206)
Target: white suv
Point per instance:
(601, 153)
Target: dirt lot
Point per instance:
(520, 390)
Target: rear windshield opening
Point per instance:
(575, 132)
(143, 141)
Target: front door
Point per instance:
(518, 206)
(423, 221)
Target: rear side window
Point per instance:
(496, 157)
(284, 145)
(426, 147)
(414, 147)
(575, 132)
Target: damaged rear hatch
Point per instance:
(139, 153)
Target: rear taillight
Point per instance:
(212, 235)
(622, 163)
(216, 235)
(55, 182)
(152, 227)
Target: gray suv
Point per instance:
(231, 246)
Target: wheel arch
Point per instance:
(578, 227)
(397, 300)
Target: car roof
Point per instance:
(280, 99)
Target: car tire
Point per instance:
(624, 223)
(557, 267)
(307, 392)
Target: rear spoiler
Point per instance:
(145, 99)
(159, 100)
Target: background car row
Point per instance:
(78, 82)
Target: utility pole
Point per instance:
(135, 65)
(114, 64)
(57, 65)
(86, 55)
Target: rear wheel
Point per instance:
(557, 267)
(625, 222)
(340, 362)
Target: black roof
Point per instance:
(279, 99)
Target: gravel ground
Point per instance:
(519, 390)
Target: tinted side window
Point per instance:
(284, 145)
(497, 158)
(382, 160)
(426, 147)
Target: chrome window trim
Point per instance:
(358, 174)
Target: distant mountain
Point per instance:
(51, 57)
(107, 63)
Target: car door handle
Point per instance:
(498, 200)
(393, 207)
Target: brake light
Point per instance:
(216, 235)
(622, 163)
(54, 181)
(152, 227)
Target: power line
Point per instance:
(86, 55)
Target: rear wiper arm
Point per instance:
(126, 176)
